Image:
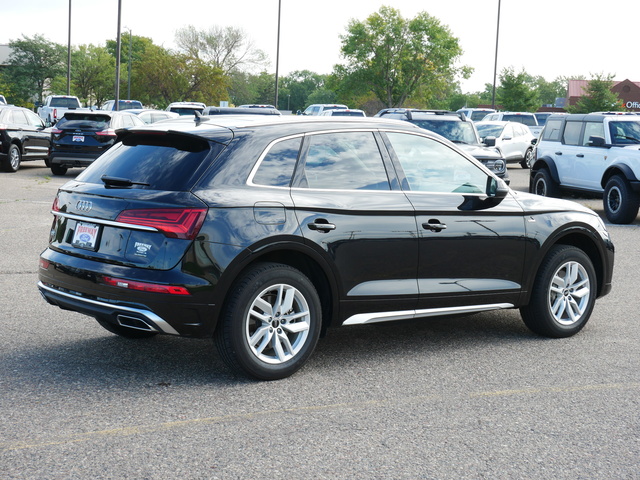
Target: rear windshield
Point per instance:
(84, 121)
(65, 102)
(528, 120)
(186, 110)
(129, 104)
(346, 113)
(167, 162)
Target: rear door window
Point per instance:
(571, 134)
(343, 161)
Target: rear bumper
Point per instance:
(67, 160)
(136, 318)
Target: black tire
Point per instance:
(255, 337)
(544, 185)
(563, 294)
(14, 157)
(125, 332)
(58, 169)
(620, 202)
(527, 161)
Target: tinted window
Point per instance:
(455, 131)
(65, 102)
(18, 118)
(571, 134)
(528, 120)
(344, 161)
(552, 130)
(164, 162)
(84, 121)
(430, 166)
(592, 129)
(277, 166)
(489, 130)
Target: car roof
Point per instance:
(212, 127)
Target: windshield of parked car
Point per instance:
(479, 115)
(528, 120)
(457, 132)
(624, 133)
(489, 130)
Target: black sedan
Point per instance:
(80, 137)
(263, 231)
(23, 136)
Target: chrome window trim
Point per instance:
(100, 221)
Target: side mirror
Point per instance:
(490, 141)
(534, 141)
(496, 191)
(595, 141)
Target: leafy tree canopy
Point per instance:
(598, 96)
(392, 56)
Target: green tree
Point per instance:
(598, 96)
(33, 63)
(227, 48)
(392, 57)
(516, 92)
(92, 74)
(297, 87)
(163, 77)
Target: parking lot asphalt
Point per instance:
(447, 398)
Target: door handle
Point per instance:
(321, 225)
(434, 225)
(558, 153)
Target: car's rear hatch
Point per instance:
(134, 206)
(83, 132)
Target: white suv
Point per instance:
(318, 108)
(597, 153)
(526, 118)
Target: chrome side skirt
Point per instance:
(377, 317)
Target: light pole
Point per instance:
(69, 54)
(277, 54)
(129, 69)
(495, 64)
(117, 94)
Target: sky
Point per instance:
(548, 38)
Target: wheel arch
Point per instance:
(618, 169)
(582, 238)
(300, 257)
(549, 164)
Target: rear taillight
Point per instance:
(181, 223)
(109, 132)
(56, 131)
(55, 206)
(145, 287)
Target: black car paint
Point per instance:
(379, 258)
(33, 139)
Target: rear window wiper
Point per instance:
(118, 182)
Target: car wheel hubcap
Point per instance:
(277, 325)
(613, 199)
(541, 188)
(569, 293)
(14, 158)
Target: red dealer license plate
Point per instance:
(86, 236)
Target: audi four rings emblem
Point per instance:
(83, 206)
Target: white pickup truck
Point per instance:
(55, 105)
